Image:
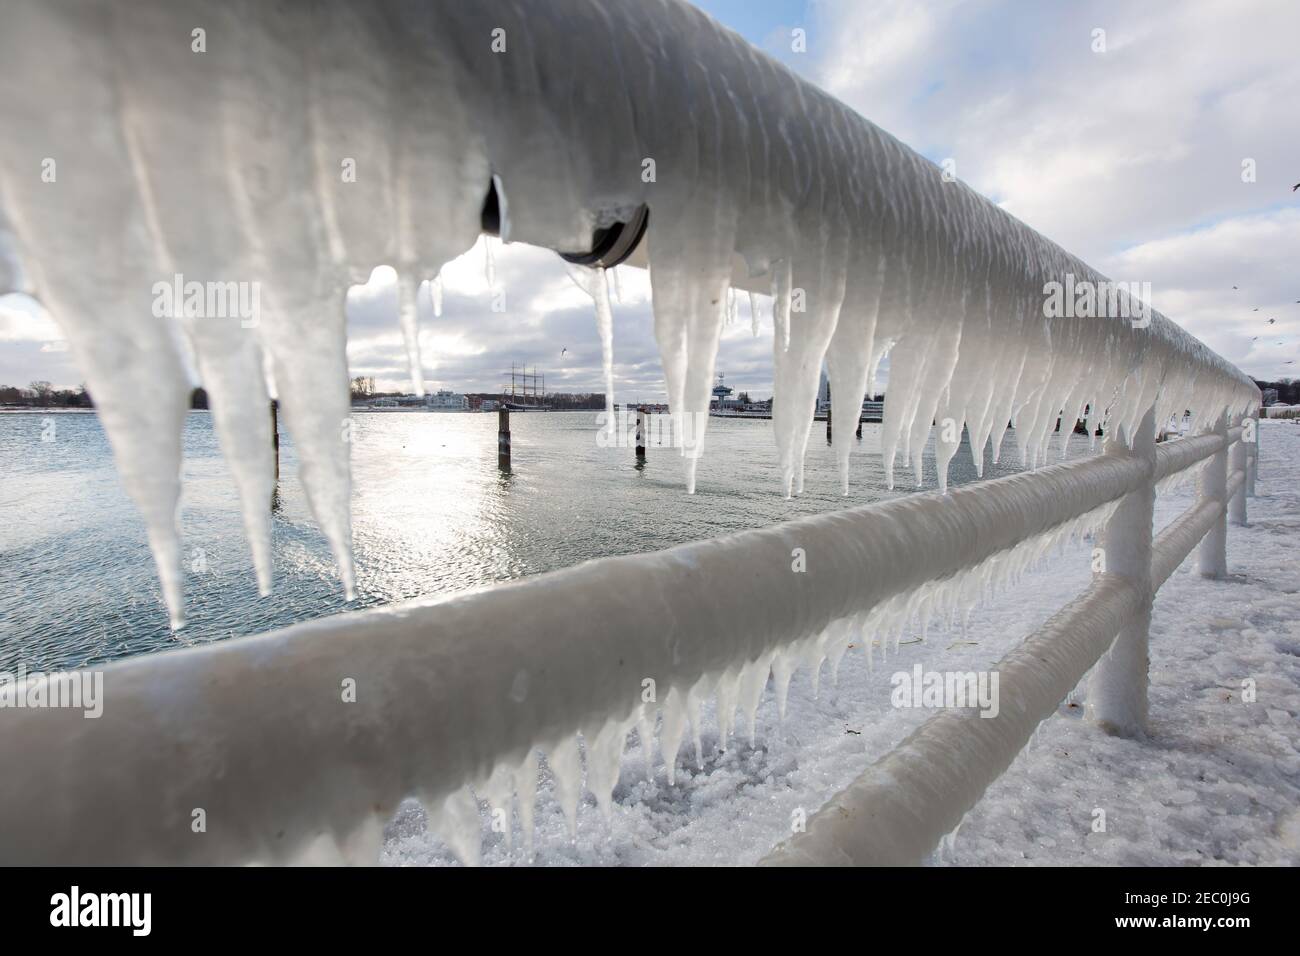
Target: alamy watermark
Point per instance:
(1085, 299)
(76, 690)
(76, 908)
(943, 689)
(208, 300)
(683, 431)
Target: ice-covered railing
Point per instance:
(299, 745)
(902, 807)
(277, 153)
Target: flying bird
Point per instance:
(1271, 321)
(562, 351)
(1295, 187)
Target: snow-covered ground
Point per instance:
(1218, 780)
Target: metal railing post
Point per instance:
(1117, 691)
(1212, 556)
(1252, 450)
(1238, 459)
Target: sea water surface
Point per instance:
(431, 515)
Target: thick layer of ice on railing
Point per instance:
(299, 146)
(299, 745)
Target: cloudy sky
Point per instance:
(1130, 157)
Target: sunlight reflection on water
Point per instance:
(431, 515)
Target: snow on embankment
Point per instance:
(298, 147)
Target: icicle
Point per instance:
(315, 408)
(672, 730)
(498, 791)
(565, 762)
(605, 325)
(783, 668)
(753, 680)
(604, 755)
(813, 657)
(690, 254)
(595, 283)
(645, 731)
(838, 647)
(489, 264)
(821, 280)
(455, 821)
(435, 294)
(753, 313)
(728, 695)
(782, 283)
(694, 702)
(406, 294)
(525, 778)
(230, 364)
(849, 356)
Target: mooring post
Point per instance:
(858, 433)
(503, 438)
(828, 425)
(1212, 553)
(640, 434)
(1117, 691)
(1238, 462)
(275, 435)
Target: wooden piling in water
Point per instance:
(640, 434)
(503, 439)
(828, 426)
(275, 435)
(858, 433)
(275, 450)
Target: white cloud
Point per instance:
(1136, 148)
(23, 319)
(1192, 275)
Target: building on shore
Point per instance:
(445, 400)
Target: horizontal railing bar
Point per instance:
(1175, 456)
(252, 729)
(898, 810)
(1176, 541)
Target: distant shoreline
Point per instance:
(45, 410)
